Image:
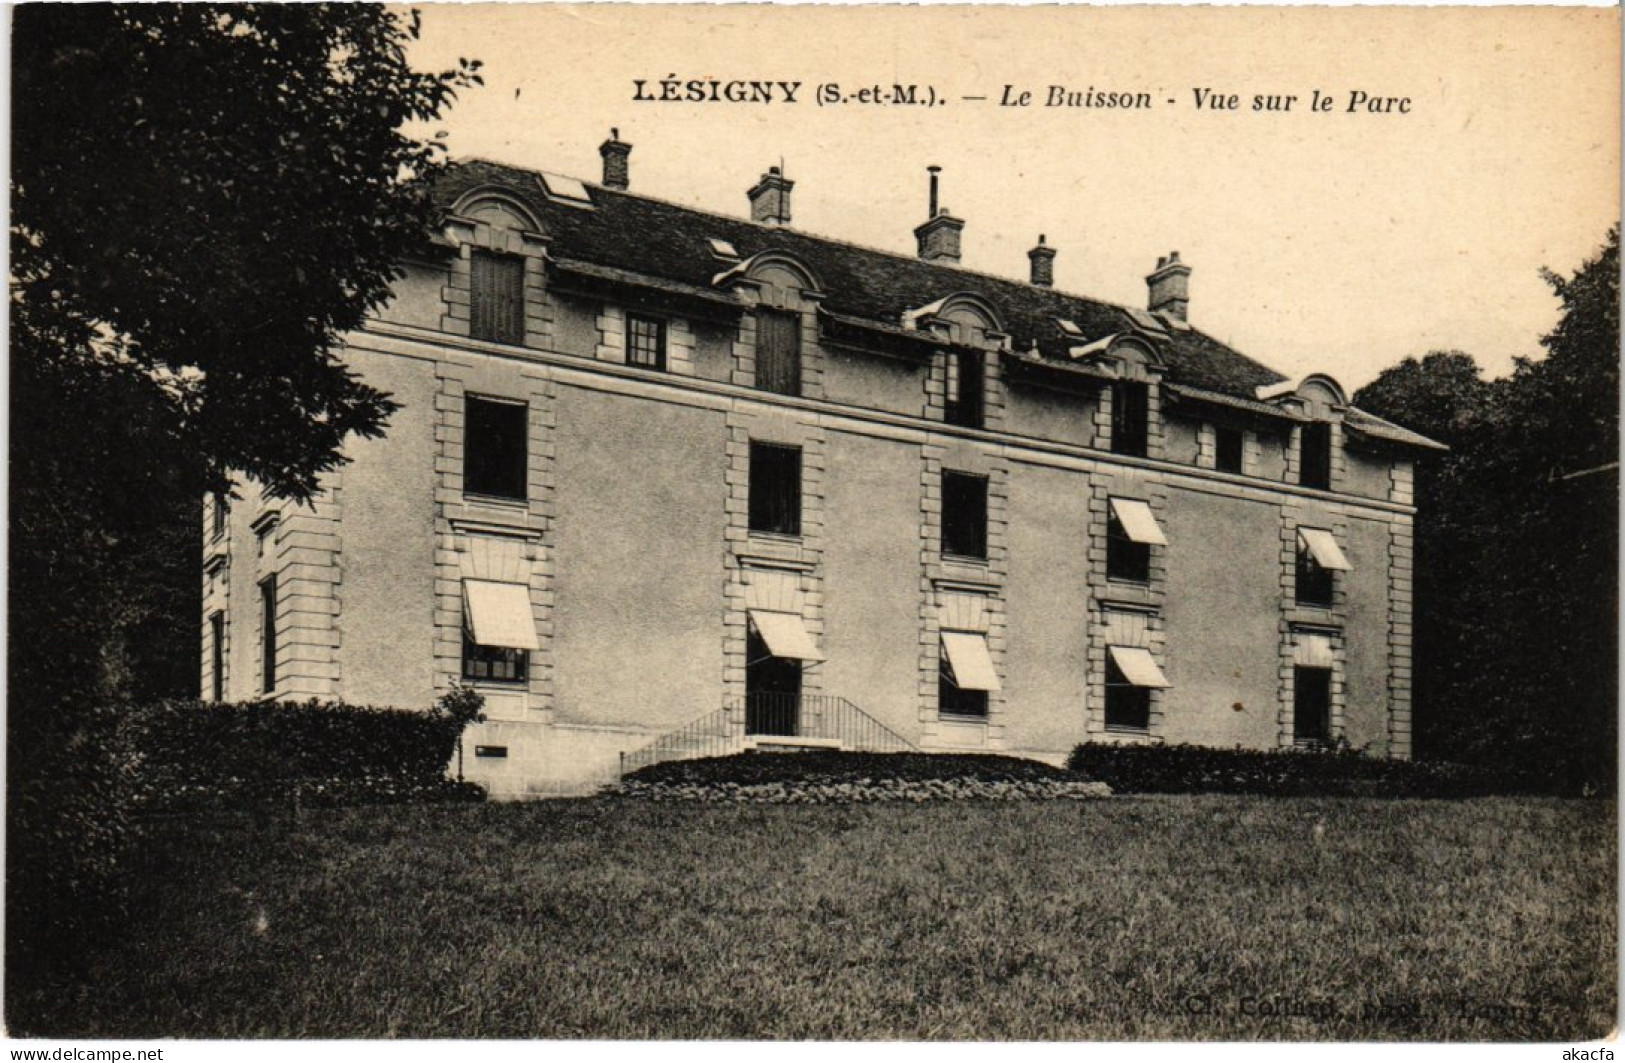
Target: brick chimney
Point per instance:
(1042, 258)
(770, 199)
(939, 237)
(1169, 287)
(617, 174)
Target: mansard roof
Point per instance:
(633, 236)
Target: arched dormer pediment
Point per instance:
(1314, 396)
(1128, 355)
(498, 207)
(962, 318)
(772, 269)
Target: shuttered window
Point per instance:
(1131, 408)
(495, 448)
(497, 311)
(964, 405)
(775, 489)
(778, 352)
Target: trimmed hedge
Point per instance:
(1188, 769)
(193, 755)
(824, 766)
(829, 777)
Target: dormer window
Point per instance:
(497, 298)
(778, 351)
(964, 389)
(645, 342)
(1316, 467)
(1131, 411)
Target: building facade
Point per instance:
(663, 472)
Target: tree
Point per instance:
(1516, 551)
(205, 198)
(228, 188)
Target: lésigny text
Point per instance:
(673, 89)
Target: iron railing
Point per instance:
(823, 717)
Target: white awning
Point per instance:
(1137, 520)
(786, 635)
(1312, 651)
(1138, 666)
(499, 614)
(1323, 548)
(972, 665)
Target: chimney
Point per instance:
(770, 199)
(615, 151)
(1043, 259)
(939, 236)
(1169, 287)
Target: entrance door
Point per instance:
(772, 690)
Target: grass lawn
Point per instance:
(1165, 917)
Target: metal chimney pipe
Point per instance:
(933, 171)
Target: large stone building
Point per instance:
(674, 482)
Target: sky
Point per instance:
(1320, 241)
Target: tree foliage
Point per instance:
(1516, 621)
(205, 198)
(228, 189)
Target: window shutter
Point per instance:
(497, 311)
(778, 352)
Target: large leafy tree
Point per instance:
(205, 198)
(228, 189)
(1517, 543)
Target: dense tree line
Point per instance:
(204, 199)
(1517, 543)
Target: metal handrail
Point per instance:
(824, 717)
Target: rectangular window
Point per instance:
(1314, 581)
(1227, 448)
(1128, 705)
(497, 299)
(775, 489)
(1311, 704)
(494, 662)
(778, 352)
(955, 700)
(496, 441)
(1316, 470)
(217, 655)
(268, 634)
(1127, 558)
(965, 385)
(1131, 411)
(219, 510)
(645, 342)
(964, 515)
